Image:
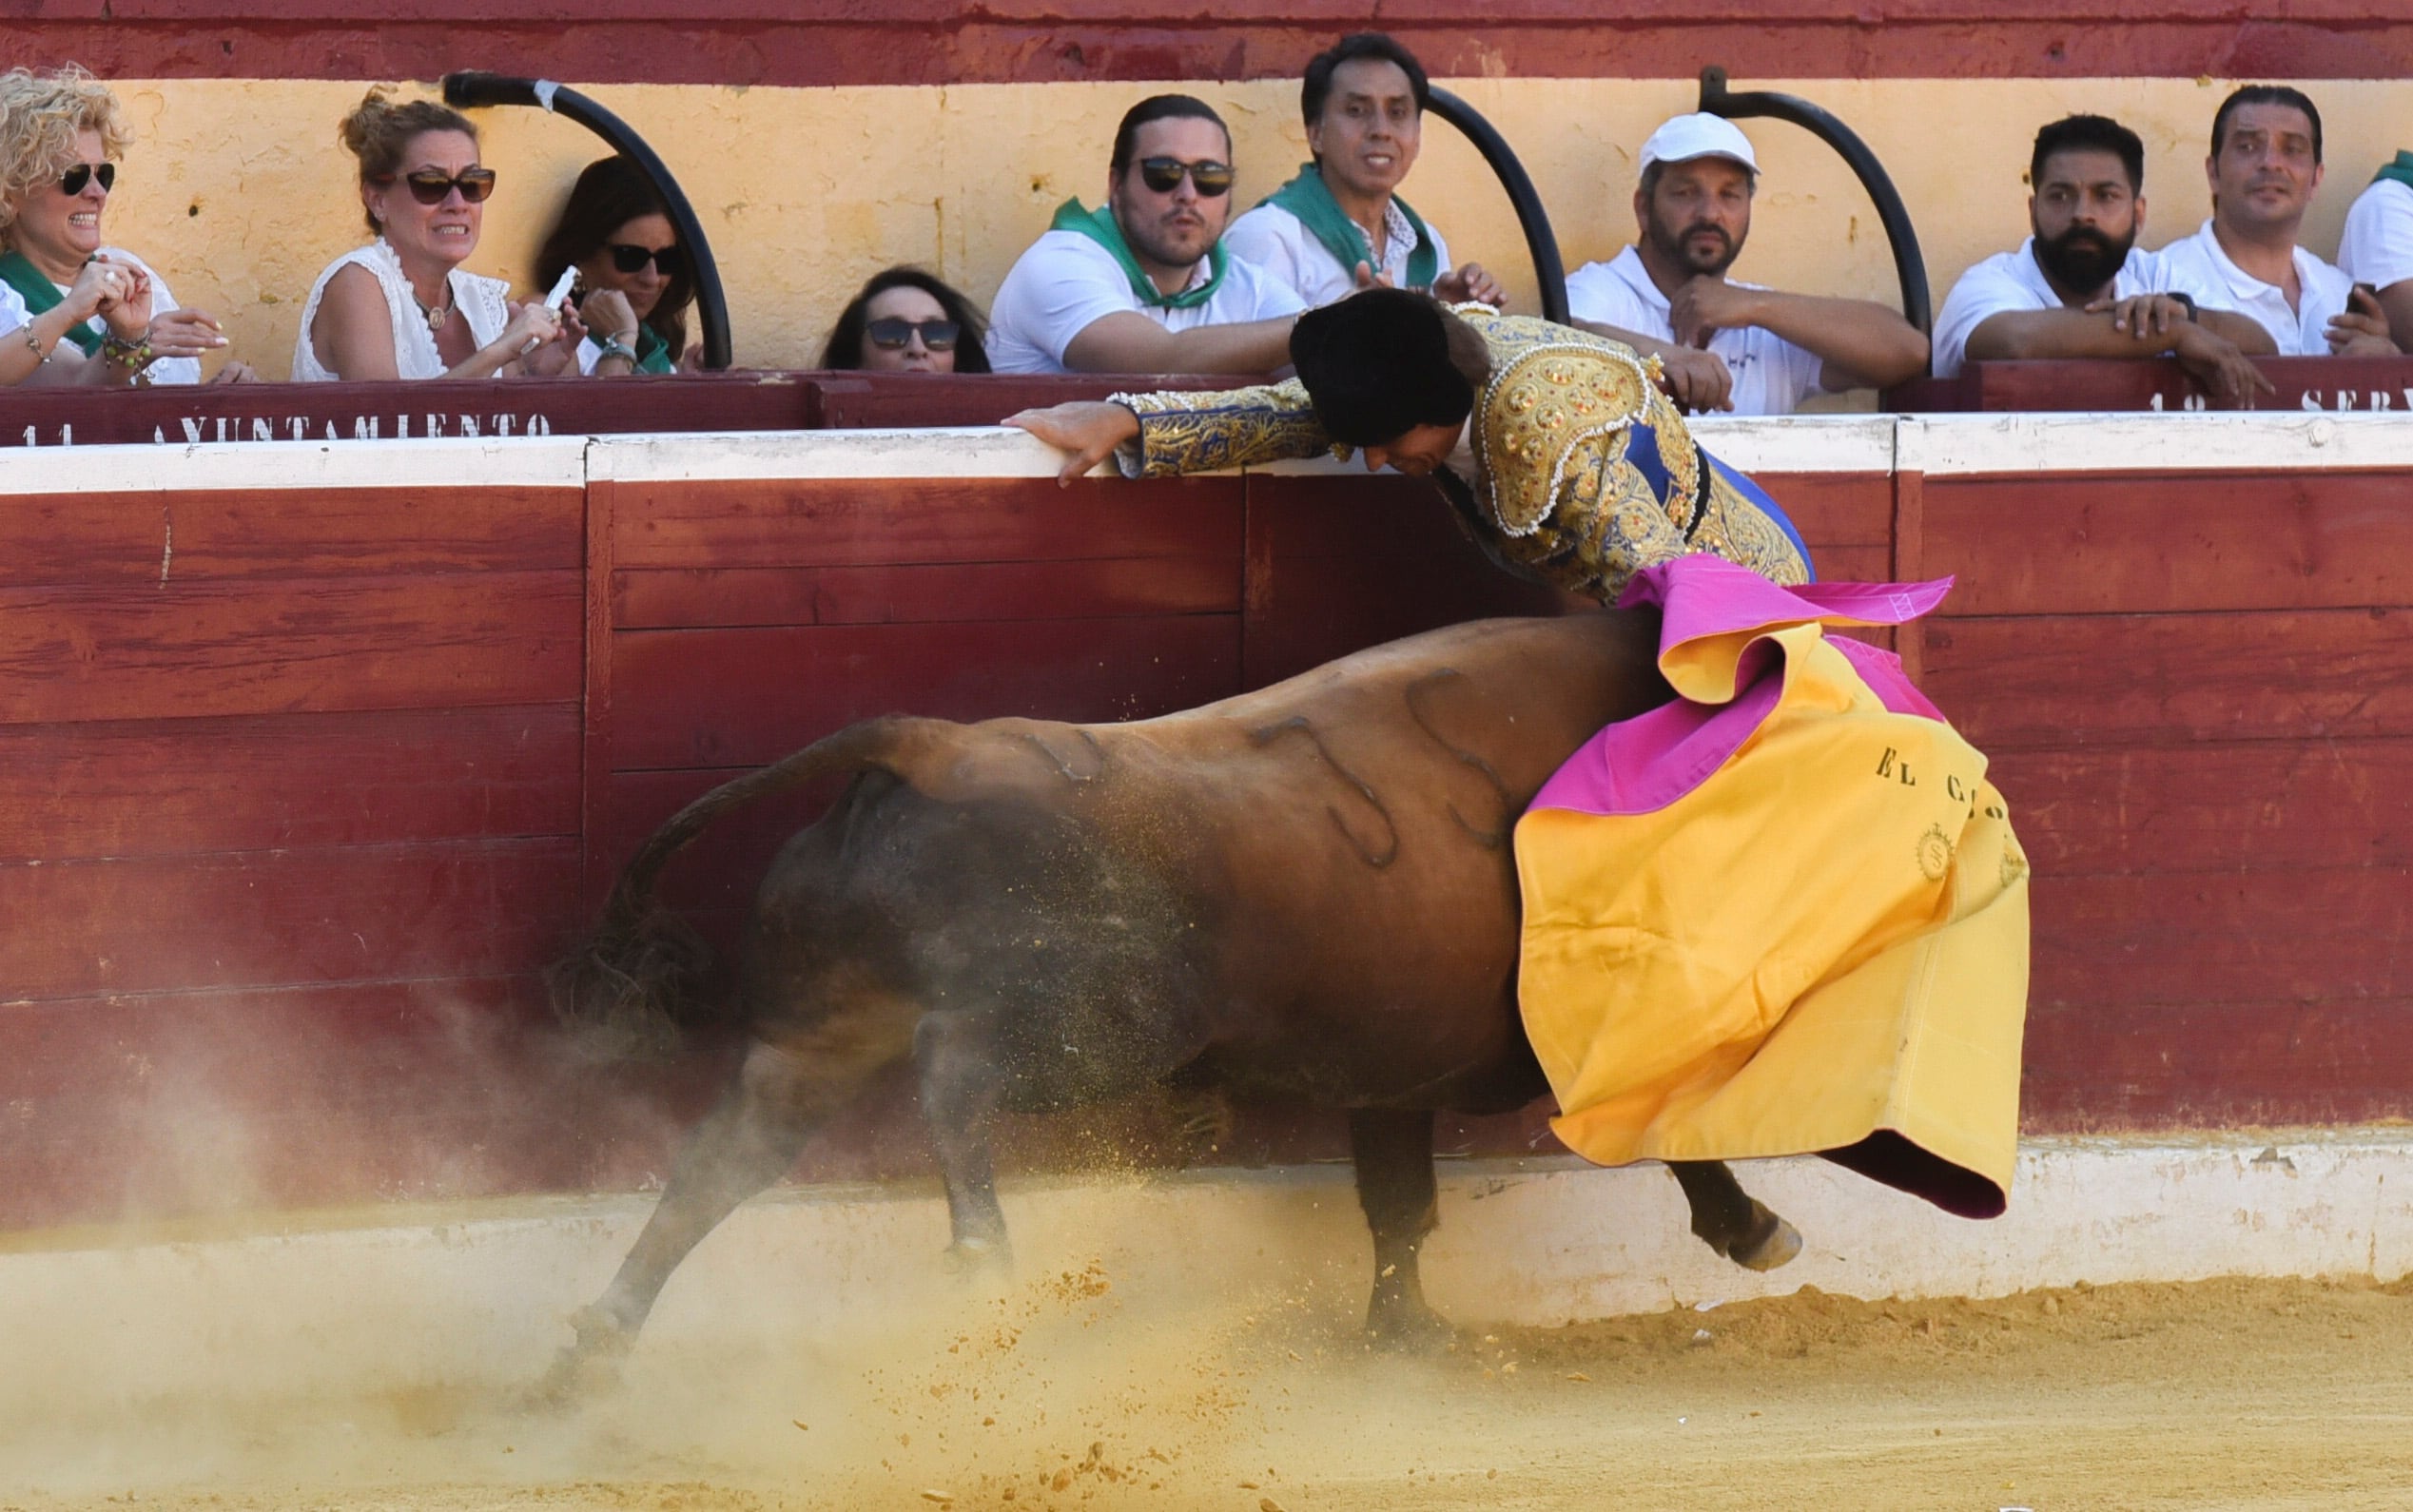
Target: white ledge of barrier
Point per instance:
(1937, 445)
(544, 461)
(2251, 441)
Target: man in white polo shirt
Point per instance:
(2079, 287)
(2377, 246)
(1144, 283)
(1727, 345)
(2265, 165)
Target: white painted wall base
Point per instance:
(482, 1294)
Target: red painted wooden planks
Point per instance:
(878, 522)
(199, 649)
(2055, 682)
(2328, 383)
(2213, 1063)
(437, 408)
(926, 592)
(2144, 543)
(1340, 563)
(740, 697)
(2113, 943)
(162, 541)
(2268, 806)
(159, 787)
(1834, 509)
(280, 916)
(613, 42)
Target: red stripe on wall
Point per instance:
(1035, 41)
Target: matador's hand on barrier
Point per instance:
(1089, 432)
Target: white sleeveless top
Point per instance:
(480, 301)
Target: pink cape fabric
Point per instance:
(1641, 765)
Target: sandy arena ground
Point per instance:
(1071, 1390)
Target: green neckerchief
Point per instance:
(40, 294)
(1309, 197)
(2400, 170)
(652, 353)
(1098, 225)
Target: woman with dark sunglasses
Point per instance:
(633, 284)
(402, 307)
(904, 321)
(73, 310)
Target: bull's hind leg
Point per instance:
(1393, 1151)
(749, 1139)
(963, 1083)
(1732, 1222)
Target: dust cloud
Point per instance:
(386, 1368)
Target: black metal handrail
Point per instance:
(473, 90)
(1549, 271)
(1909, 266)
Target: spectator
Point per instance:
(634, 282)
(1721, 344)
(72, 309)
(904, 321)
(1144, 283)
(2265, 165)
(2079, 287)
(2377, 248)
(401, 307)
(1341, 222)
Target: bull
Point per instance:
(1304, 893)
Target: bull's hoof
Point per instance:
(979, 1259)
(1408, 1328)
(1767, 1244)
(589, 1367)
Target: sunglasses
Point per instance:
(430, 185)
(892, 333)
(71, 183)
(629, 258)
(1164, 176)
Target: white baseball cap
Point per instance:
(1700, 135)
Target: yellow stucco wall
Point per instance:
(239, 193)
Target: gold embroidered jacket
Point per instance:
(1583, 471)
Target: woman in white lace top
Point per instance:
(402, 307)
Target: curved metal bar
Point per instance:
(475, 91)
(1909, 266)
(1549, 271)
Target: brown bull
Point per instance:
(1304, 893)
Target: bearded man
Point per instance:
(1725, 344)
(2079, 287)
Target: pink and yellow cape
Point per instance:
(1785, 913)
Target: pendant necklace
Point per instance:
(435, 318)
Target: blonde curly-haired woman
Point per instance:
(72, 308)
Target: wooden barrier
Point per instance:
(312, 754)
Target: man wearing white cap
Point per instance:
(1726, 346)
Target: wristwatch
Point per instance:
(2187, 299)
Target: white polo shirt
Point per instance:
(1771, 375)
(1288, 253)
(2014, 280)
(2377, 248)
(1066, 282)
(2201, 270)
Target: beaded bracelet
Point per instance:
(131, 355)
(41, 353)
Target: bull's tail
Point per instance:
(623, 991)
